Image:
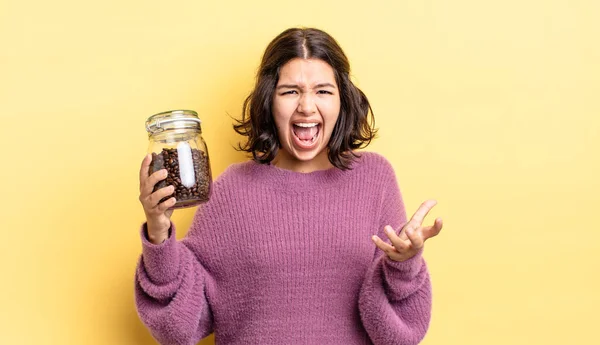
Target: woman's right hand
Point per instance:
(158, 215)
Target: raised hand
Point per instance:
(157, 213)
(411, 237)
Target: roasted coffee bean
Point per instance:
(199, 192)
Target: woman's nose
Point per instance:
(306, 104)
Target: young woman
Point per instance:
(308, 242)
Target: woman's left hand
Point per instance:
(412, 236)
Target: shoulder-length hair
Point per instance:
(354, 128)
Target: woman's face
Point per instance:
(306, 106)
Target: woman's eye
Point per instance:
(291, 92)
(324, 92)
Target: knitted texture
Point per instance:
(281, 257)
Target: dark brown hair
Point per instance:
(354, 128)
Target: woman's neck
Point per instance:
(285, 161)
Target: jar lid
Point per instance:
(173, 119)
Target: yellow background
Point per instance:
(491, 107)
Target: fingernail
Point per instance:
(388, 230)
(374, 238)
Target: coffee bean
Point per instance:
(199, 192)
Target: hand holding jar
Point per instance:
(158, 214)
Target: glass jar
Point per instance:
(176, 144)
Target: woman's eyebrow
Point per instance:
(325, 85)
(294, 86)
(288, 86)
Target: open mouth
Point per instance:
(306, 134)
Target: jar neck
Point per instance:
(175, 135)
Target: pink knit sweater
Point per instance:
(280, 257)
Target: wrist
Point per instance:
(157, 235)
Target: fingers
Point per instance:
(402, 233)
(400, 249)
(415, 237)
(157, 196)
(417, 219)
(145, 167)
(151, 200)
(164, 206)
(385, 247)
(433, 230)
(161, 209)
(147, 184)
(397, 242)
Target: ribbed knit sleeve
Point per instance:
(395, 298)
(171, 284)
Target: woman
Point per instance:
(284, 251)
